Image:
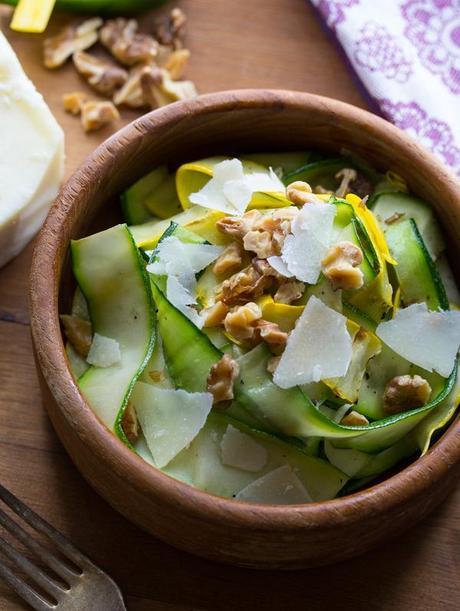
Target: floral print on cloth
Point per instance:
(333, 10)
(408, 59)
(433, 27)
(378, 51)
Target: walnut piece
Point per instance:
(177, 63)
(132, 94)
(340, 266)
(405, 392)
(159, 89)
(244, 286)
(271, 334)
(95, 115)
(230, 261)
(73, 38)
(278, 228)
(289, 291)
(354, 419)
(263, 267)
(103, 76)
(346, 176)
(261, 243)
(221, 379)
(238, 227)
(73, 102)
(170, 30)
(79, 333)
(129, 423)
(127, 45)
(215, 315)
(299, 192)
(240, 323)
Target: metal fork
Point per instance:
(81, 584)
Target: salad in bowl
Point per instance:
(277, 328)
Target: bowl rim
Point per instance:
(413, 480)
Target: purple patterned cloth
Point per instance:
(407, 55)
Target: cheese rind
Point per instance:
(31, 156)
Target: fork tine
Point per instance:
(40, 525)
(24, 590)
(44, 554)
(31, 570)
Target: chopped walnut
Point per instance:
(299, 193)
(176, 63)
(405, 392)
(354, 419)
(75, 37)
(132, 94)
(238, 227)
(73, 102)
(170, 30)
(95, 115)
(273, 363)
(121, 38)
(215, 315)
(230, 261)
(240, 322)
(346, 176)
(340, 266)
(271, 334)
(278, 228)
(79, 333)
(244, 286)
(260, 242)
(221, 379)
(159, 89)
(263, 267)
(289, 291)
(104, 76)
(129, 423)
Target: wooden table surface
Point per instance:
(234, 43)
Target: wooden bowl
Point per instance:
(217, 528)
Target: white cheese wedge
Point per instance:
(104, 351)
(230, 189)
(170, 419)
(305, 248)
(241, 451)
(278, 487)
(31, 156)
(318, 347)
(428, 339)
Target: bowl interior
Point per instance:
(228, 123)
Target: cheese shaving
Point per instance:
(319, 347)
(428, 339)
(278, 487)
(241, 451)
(230, 189)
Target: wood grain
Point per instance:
(261, 43)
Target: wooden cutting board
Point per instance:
(234, 43)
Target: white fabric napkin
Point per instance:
(407, 55)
